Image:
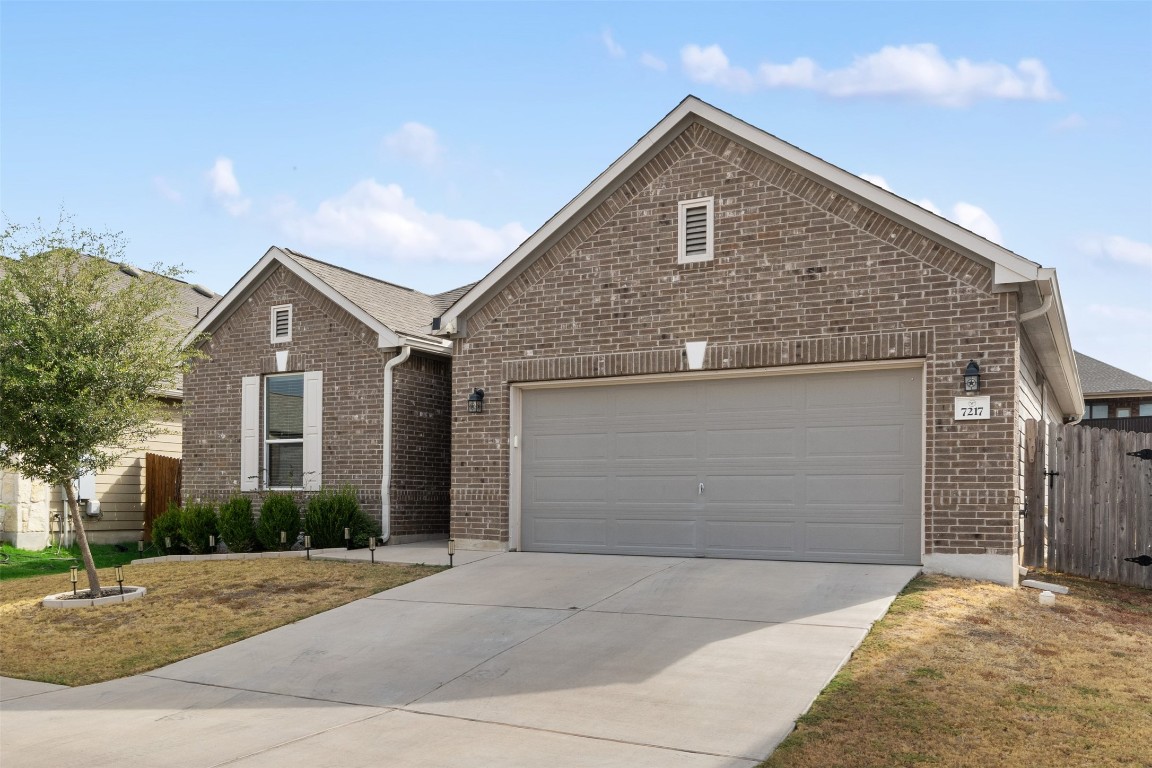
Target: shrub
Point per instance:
(237, 528)
(166, 528)
(329, 512)
(197, 523)
(278, 513)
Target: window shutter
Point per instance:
(313, 428)
(696, 231)
(249, 433)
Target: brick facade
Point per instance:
(324, 338)
(801, 275)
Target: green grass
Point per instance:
(23, 563)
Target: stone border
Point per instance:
(62, 599)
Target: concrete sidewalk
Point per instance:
(512, 660)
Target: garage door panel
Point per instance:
(823, 466)
(656, 444)
(750, 442)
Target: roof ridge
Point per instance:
(298, 255)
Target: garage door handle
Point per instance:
(701, 489)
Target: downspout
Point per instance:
(1040, 310)
(386, 475)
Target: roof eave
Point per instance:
(1048, 333)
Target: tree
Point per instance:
(82, 352)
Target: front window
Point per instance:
(1146, 409)
(1098, 411)
(1123, 413)
(284, 430)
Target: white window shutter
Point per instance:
(249, 433)
(313, 428)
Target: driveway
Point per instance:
(513, 660)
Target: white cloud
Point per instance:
(226, 189)
(929, 206)
(1120, 249)
(380, 219)
(976, 219)
(1072, 122)
(417, 142)
(615, 50)
(879, 181)
(916, 72)
(653, 62)
(166, 190)
(710, 65)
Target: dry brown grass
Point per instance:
(968, 674)
(190, 608)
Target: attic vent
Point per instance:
(129, 270)
(202, 290)
(695, 237)
(282, 323)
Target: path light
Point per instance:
(283, 539)
(75, 576)
(347, 538)
(120, 577)
(451, 551)
(476, 401)
(167, 544)
(972, 377)
(211, 542)
(372, 548)
(140, 546)
(307, 546)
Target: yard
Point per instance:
(970, 674)
(190, 608)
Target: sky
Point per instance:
(420, 143)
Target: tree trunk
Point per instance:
(82, 539)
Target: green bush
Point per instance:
(197, 524)
(278, 513)
(329, 512)
(237, 527)
(166, 528)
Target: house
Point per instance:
(1112, 394)
(317, 376)
(727, 347)
(33, 513)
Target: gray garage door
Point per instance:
(823, 467)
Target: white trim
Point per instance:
(516, 417)
(251, 280)
(281, 339)
(682, 255)
(266, 441)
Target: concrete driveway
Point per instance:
(513, 660)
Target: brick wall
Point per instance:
(421, 447)
(324, 338)
(801, 275)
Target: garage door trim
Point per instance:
(515, 416)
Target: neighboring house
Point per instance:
(725, 346)
(1112, 394)
(33, 513)
(319, 376)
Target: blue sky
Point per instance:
(420, 142)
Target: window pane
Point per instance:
(285, 464)
(1146, 409)
(1123, 413)
(284, 407)
(1099, 412)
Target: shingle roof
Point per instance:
(404, 310)
(1097, 378)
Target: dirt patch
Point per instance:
(963, 673)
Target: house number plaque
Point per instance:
(971, 408)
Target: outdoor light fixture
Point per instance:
(476, 401)
(972, 377)
(75, 578)
(140, 545)
(120, 577)
(307, 546)
(372, 548)
(211, 542)
(283, 539)
(347, 538)
(167, 544)
(451, 551)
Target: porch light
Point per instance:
(972, 377)
(476, 401)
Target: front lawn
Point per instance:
(961, 673)
(22, 563)
(190, 608)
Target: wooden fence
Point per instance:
(1098, 502)
(161, 486)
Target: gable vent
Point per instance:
(282, 323)
(696, 230)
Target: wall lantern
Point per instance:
(972, 377)
(476, 401)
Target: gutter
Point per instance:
(386, 475)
